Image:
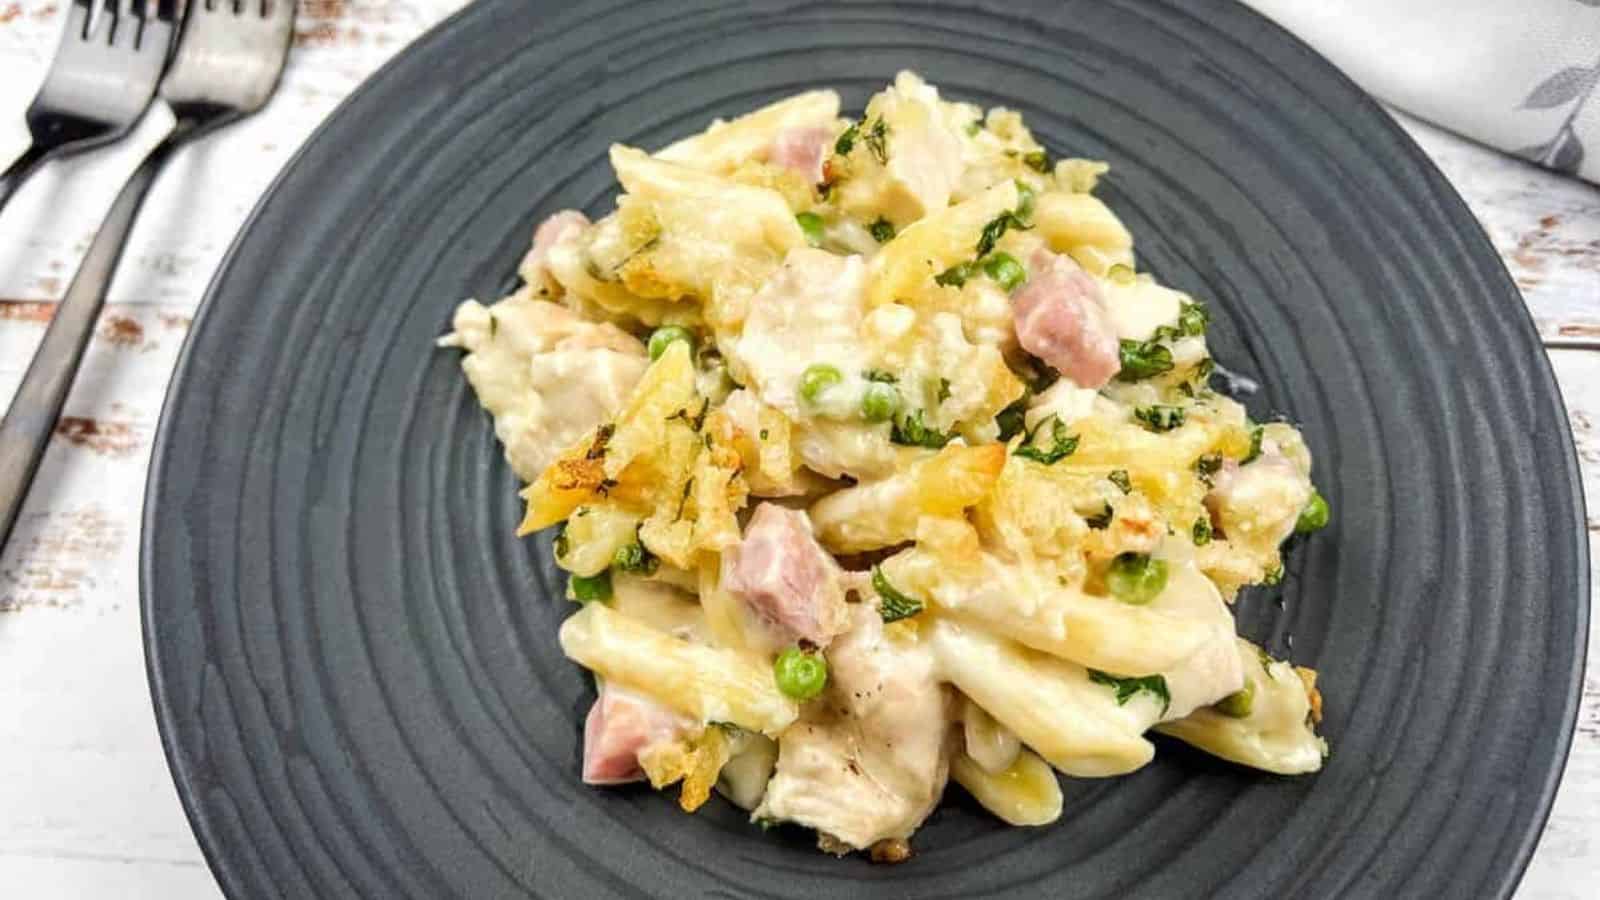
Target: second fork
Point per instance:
(226, 67)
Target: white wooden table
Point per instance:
(87, 808)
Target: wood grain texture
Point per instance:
(86, 805)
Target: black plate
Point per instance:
(354, 660)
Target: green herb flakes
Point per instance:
(1126, 688)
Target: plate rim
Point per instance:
(1473, 233)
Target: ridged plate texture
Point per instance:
(354, 660)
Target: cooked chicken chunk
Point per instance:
(546, 375)
(867, 761)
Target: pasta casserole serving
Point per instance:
(876, 464)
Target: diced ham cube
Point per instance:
(620, 725)
(801, 150)
(1061, 318)
(547, 235)
(783, 574)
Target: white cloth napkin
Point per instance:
(1520, 75)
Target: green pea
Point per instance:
(799, 674)
(589, 588)
(1238, 704)
(1024, 210)
(1005, 270)
(816, 380)
(811, 224)
(880, 402)
(1315, 516)
(1136, 578)
(663, 337)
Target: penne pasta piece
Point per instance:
(659, 605)
(1078, 726)
(884, 513)
(1024, 793)
(710, 684)
(905, 268)
(1273, 730)
(988, 743)
(1083, 227)
(1213, 671)
(727, 620)
(1033, 609)
(725, 145)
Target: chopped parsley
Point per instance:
(879, 375)
(847, 140)
(1119, 477)
(561, 544)
(1192, 321)
(1143, 359)
(1024, 211)
(1010, 420)
(944, 389)
(973, 127)
(1062, 444)
(634, 557)
(996, 229)
(911, 430)
(956, 275)
(1255, 444)
(1201, 532)
(1159, 418)
(1274, 575)
(696, 421)
(494, 324)
(1038, 160)
(1101, 520)
(882, 230)
(878, 140)
(1126, 688)
(1207, 467)
(602, 437)
(895, 605)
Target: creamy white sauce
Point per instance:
(1138, 309)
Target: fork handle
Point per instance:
(26, 430)
(19, 170)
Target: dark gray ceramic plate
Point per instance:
(354, 661)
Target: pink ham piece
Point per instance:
(622, 724)
(1061, 318)
(547, 235)
(801, 150)
(782, 573)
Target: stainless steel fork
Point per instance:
(102, 79)
(228, 60)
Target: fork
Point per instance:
(101, 81)
(227, 64)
